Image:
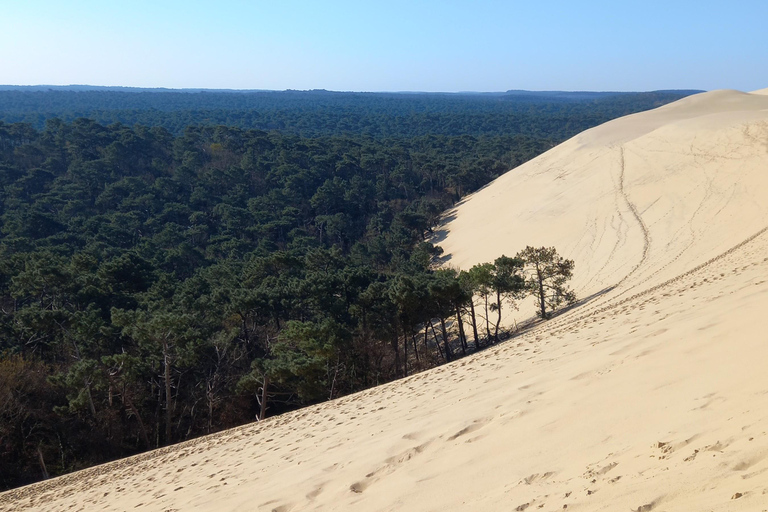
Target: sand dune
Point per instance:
(651, 395)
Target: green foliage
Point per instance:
(321, 113)
(506, 277)
(306, 357)
(546, 276)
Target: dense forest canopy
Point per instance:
(553, 115)
(168, 279)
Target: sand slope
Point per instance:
(635, 201)
(651, 395)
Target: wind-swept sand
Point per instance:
(651, 395)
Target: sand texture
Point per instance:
(650, 395)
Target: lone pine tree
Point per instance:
(546, 274)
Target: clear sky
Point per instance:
(427, 45)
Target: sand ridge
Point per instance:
(650, 395)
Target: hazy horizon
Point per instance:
(198, 89)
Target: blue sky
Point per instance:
(450, 45)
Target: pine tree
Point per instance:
(546, 274)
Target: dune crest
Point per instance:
(651, 395)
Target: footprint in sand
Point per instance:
(748, 463)
(476, 425)
(537, 476)
(390, 465)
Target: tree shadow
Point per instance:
(504, 334)
(439, 235)
(583, 301)
(530, 323)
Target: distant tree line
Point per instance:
(553, 116)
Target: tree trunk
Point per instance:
(437, 343)
(263, 401)
(87, 384)
(333, 381)
(395, 342)
(462, 336)
(487, 322)
(158, 415)
(209, 397)
(448, 353)
(541, 294)
(91, 405)
(135, 411)
(416, 351)
(474, 323)
(498, 320)
(405, 353)
(44, 470)
(167, 378)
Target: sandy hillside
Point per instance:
(651, 395)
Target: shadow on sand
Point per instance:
(526, 325)
(439, 235)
